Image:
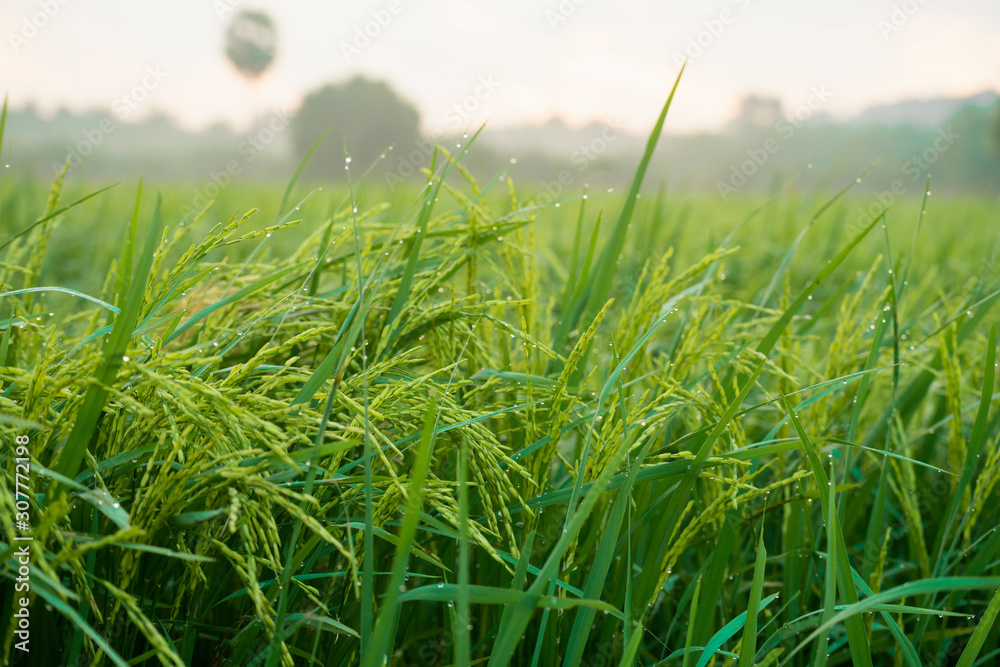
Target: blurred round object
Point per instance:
(251, 42)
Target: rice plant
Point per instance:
(475, 430)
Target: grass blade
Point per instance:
(385, 627)
(857, 637)
(596, 286)
(748, 645)
(727, 632)
(462, 625)
(93, 404)
(982, 631)
(910, 589)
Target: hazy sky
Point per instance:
(576, 59)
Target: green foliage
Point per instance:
(370, 436)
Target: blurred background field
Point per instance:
(958, 243)
(212, 91)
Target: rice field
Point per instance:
(445, 425)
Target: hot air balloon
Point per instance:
(251, 42)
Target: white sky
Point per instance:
(607, 59)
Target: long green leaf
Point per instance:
(596, 286)
(910, 589)
(857, 637)
(748, 646)
(54, 214)
(981, 633)
(385, 626)
(93, 404)
(728, 631)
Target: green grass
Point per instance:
(445, 426)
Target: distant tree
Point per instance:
(971, 161)
(368, 115)
(251, 42)
(996, 128)
(758, 112)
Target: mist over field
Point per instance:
(219, 87)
